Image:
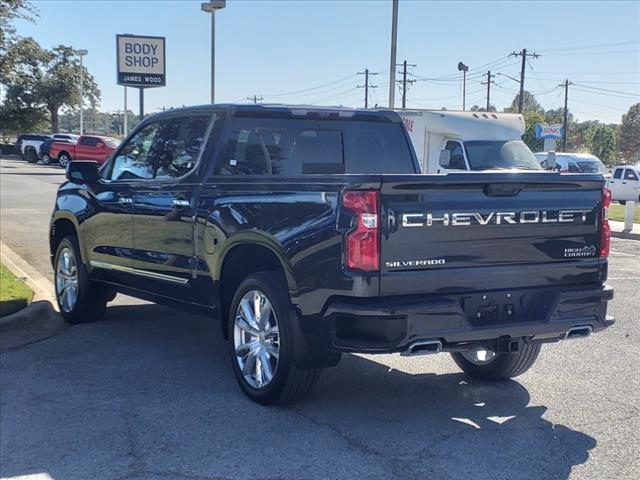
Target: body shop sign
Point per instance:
(140, 61)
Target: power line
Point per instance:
(311, 88)
(606, 90)
(583, 47)
(589, 53)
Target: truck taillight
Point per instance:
(605, 238)
(362, 243)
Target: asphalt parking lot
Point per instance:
(148, 393)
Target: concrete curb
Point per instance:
(618, 230)
(37, 321)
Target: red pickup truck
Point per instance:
(89, 147)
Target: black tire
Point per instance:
(91, 299)
(503, 366)
(288, 384)
(45, 159)
(64, 159)
(31, 155)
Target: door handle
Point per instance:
(125, 200)
(180, 203)
(624, 183)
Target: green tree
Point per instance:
(476, 108)
(60, 83)
(529, 136)
(11, 10)
(48, 79)
(629, 145)
(530, 103)
(602, 142)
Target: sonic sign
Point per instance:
(549, 131)
(141, 61)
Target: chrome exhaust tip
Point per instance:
(582, 331)
(428, 347)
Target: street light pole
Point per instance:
(394, 43)
(81, 53)
(210, 7)
(464, 69)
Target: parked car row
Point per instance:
(64, 147)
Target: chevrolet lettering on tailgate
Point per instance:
(493, 218)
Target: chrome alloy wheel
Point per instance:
(256, 339)
(67, 279)
(479, 357)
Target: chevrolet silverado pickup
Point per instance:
(308, 232)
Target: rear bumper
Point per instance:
(534, 315)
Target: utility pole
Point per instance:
(488, 84)
(565, 126)
(81, 54)
(366, 85)
(404, 81)
(255, 99)
(524, 55)
(394, 43)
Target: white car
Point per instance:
(625, 183)
(574, 162)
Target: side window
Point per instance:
(134, 161)
(630, 175)
(457, 155)
(573, 168)
(617, 173)
(244, 154)
(89, 141)
(182, 140)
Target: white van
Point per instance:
(574, 162)
(447, 141)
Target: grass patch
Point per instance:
(14, 293)
(616, 212)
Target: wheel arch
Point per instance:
(240, 260)
(62, 225)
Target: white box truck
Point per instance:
(447, 141)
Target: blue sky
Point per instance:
(273, 48)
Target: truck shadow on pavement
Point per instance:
(149, 393)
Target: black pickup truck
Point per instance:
(308, 232)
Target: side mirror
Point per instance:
(82, 172)
(100, 145)
(445, 158)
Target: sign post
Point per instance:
(141, 63)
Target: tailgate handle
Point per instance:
(503, 189)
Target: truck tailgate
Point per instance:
(483, 231)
